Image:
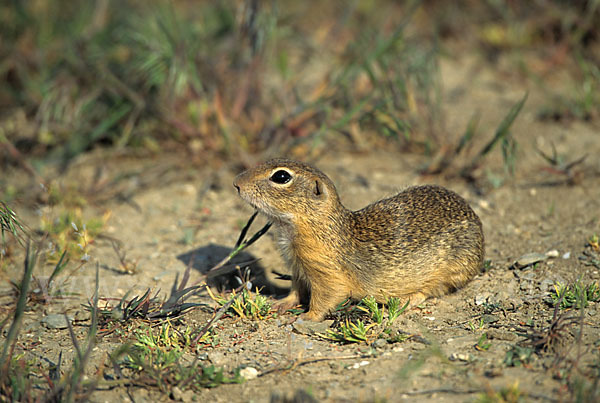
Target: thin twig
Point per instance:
(469, 391)
(215, 318)
(242, 244)
(296, 363)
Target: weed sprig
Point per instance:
(158, 358)
(376, 324)
(147, 307)
(60, 384)
(10, 223)
(575, 295)
(244, 303)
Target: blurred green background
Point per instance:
(253, 77)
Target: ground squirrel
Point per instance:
(423, 242)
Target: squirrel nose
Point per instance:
(236, 186)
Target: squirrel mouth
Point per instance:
(261, 207)
(251, 202)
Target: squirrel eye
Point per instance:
(281, 177)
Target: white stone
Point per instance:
(249, 373)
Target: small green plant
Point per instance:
(156, 348)
(16, 372)
(518, 356)
(487, 265)
(157, 357)
(560, 166)
(71, 233)
(502, 136)
(146, 307)
(575, 295)
(452, 156)
(375, 325)
(45, 289)
(373, 309)
(483, 343)
(491, 307)
(395, 308)
(126, 265)
(245, 304)
(9, 223)
(476, 326)
(14, 380)
(74, 384)
(351, 332)
(594, 242)
(188, 236)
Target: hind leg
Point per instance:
(415, 299)
(322, 301)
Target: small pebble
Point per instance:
(310, 328)
(566, 255)
(56, 321)
(181, 396)
(501, 335)
(460, 357)
(159, 275)
(380, 343)
(82, 316)
(552, 253)
(546, 284)
(489, 319)
(188, 189)
(529, 259)
(359, 364)
(249, 373)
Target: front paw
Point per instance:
(288, 302)
(313, 316)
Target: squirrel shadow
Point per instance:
(231, 275)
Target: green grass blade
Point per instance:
(501, 133)
(348, 116)
(60, 266)
(245, 230)
(468, 134)
(80, 142)
(502, 130)
(13, 331)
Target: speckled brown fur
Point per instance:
(423, 242)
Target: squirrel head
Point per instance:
(288, 190)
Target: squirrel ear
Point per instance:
(318, 189)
